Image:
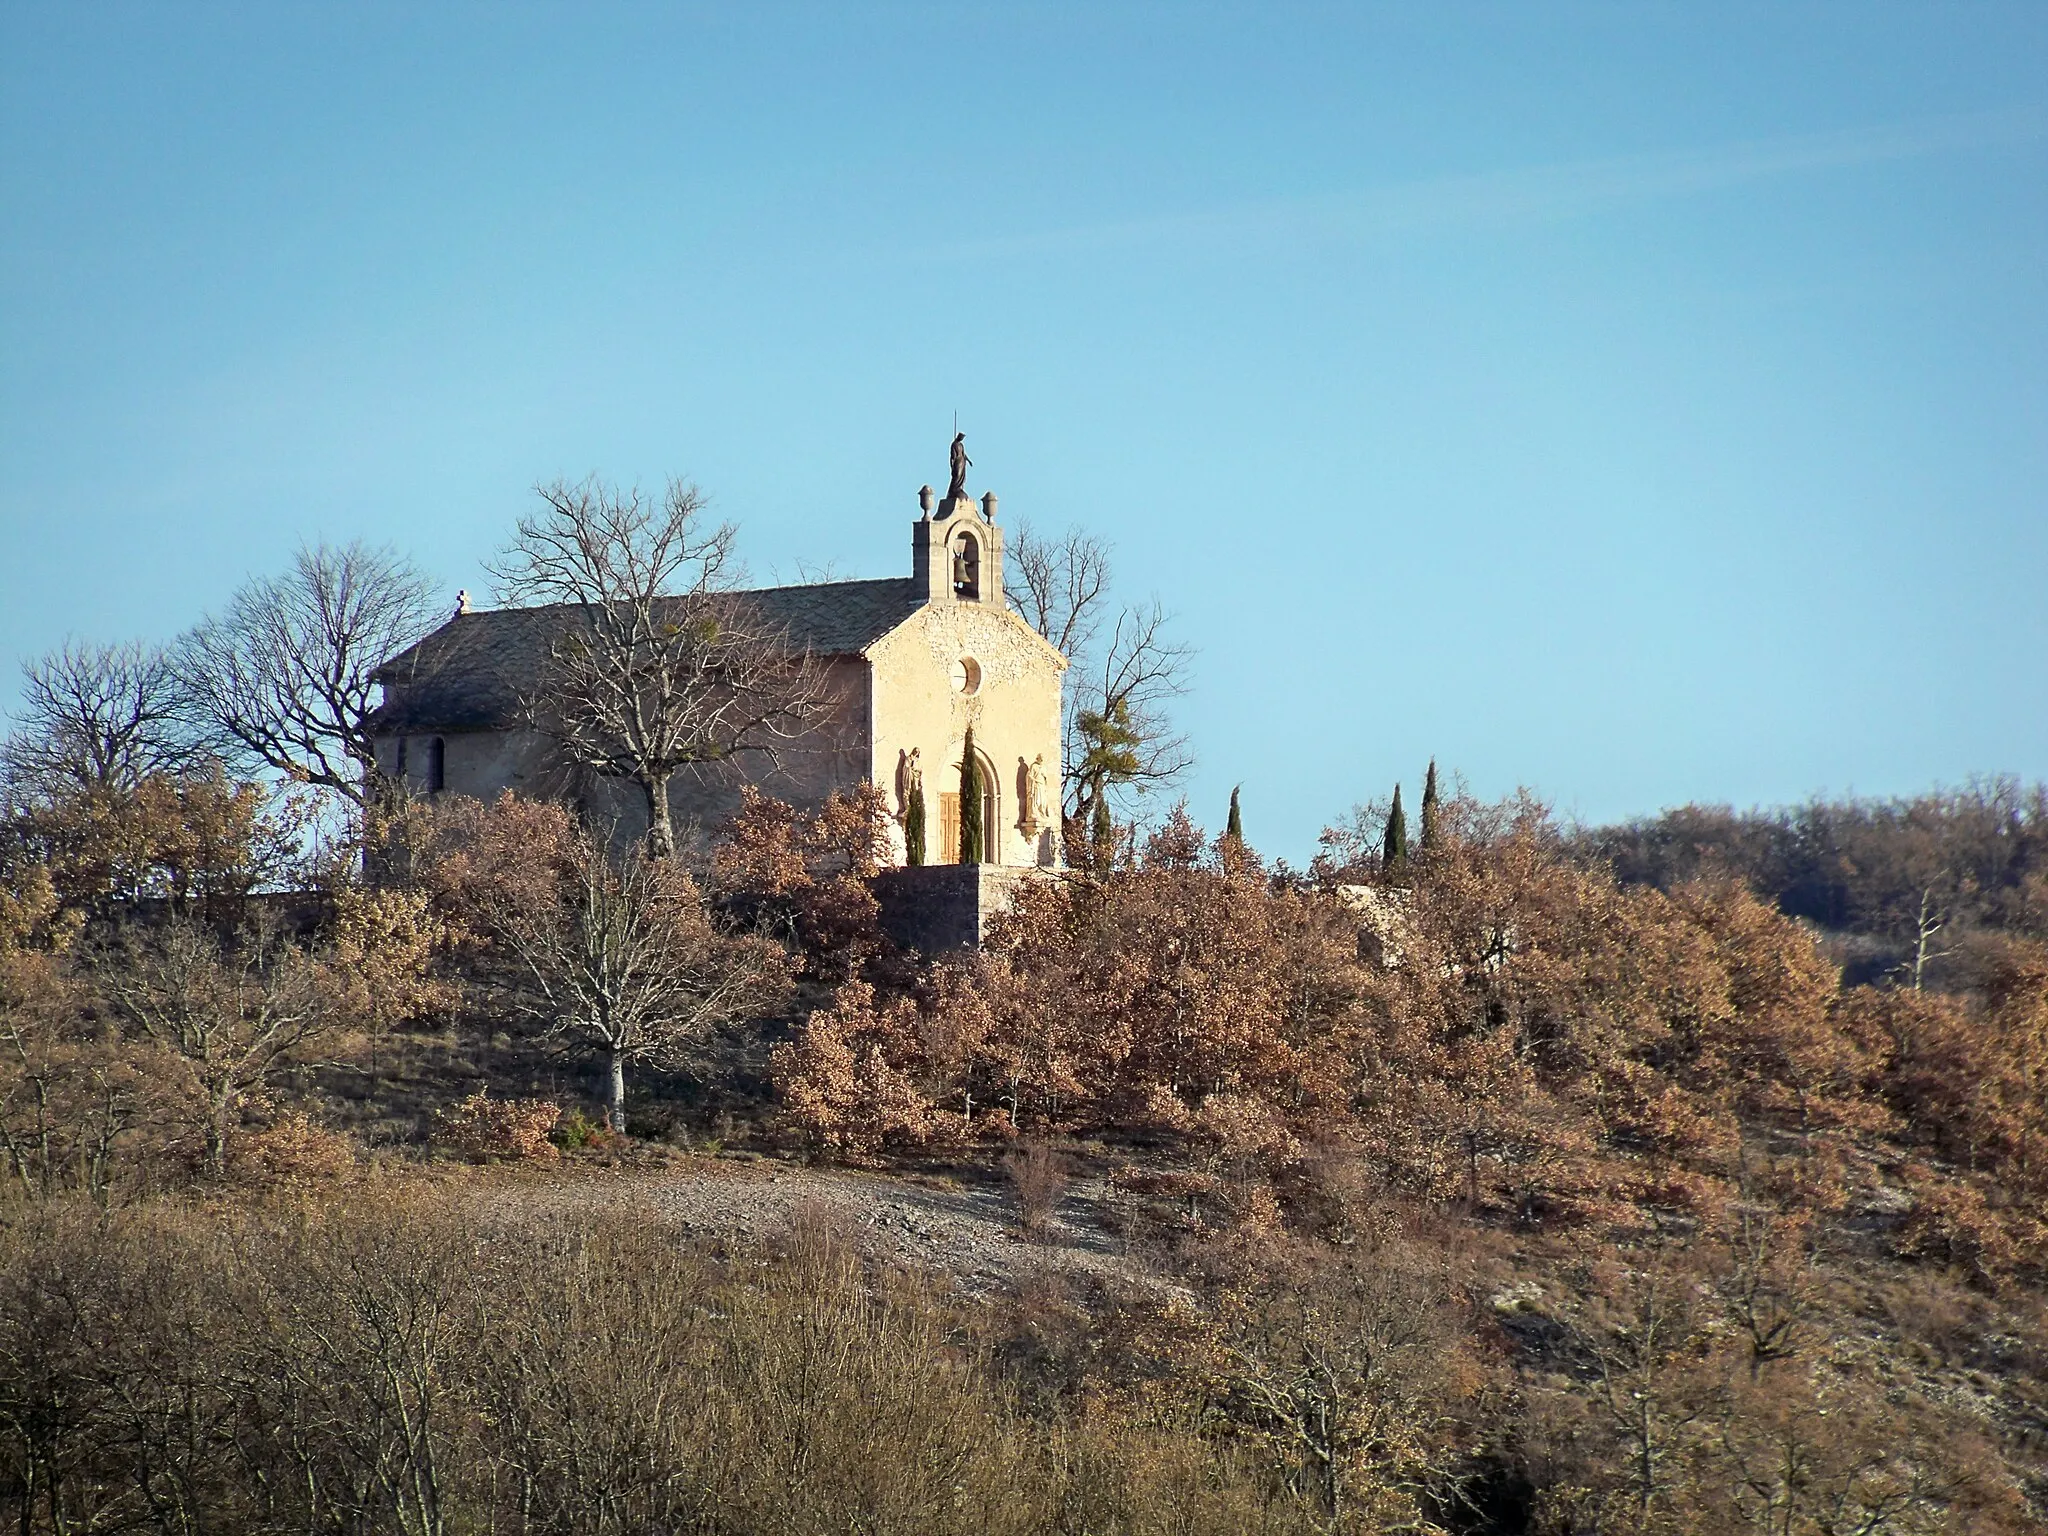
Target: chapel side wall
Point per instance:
(832, 754)
(480, 764)
(1015, 714)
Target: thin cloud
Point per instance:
(1528, 194)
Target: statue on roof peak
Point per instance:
(956, 490)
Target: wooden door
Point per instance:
(948, 851)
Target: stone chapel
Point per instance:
(909, 663)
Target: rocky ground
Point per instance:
(968, 1233)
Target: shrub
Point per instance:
(483, 1127)
(291, 1149)
(802, 876)
(1038, 1176)
(417, 1361)
(577, 1132)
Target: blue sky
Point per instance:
(1640, 403)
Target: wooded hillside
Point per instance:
(1512, 1191)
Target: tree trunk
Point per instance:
(217, 1138)
(615, 1112)
(1927, 926)
(661, 831)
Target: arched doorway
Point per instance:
(948, 849)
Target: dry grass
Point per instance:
(446, 1365)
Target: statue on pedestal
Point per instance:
(1032, 810)
(956, 489)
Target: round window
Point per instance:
(966, 675)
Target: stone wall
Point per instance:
(940, 907)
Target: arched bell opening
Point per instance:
(966, 567)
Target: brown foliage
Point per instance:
(1528, 1038)
(1537, 1036)
(73, 1095)
(1138, 997)
(1541, 1020)
(483, 1127)
(383, 946)
(32, 914)
(848, 1079)
(291, 1148)
(802, 877)
(476, 861)
(198, 842)
(1918, 880)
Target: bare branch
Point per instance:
(626, 964)
(659, 665)
(96, 717)
(1059, 587)
(284, 678)
(227, 1017)
(1116, 724)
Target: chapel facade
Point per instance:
(909, 663)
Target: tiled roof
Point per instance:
(469, 673)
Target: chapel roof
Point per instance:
(469, 673)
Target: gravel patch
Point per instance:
(967, 1234)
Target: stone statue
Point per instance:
(909, 780)
(1035, 813)
(957, 489)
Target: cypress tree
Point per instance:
(1234, 828)
(971, 840)
(1394, 852)
(913, 825)
(1101, 834)
(1429, 809)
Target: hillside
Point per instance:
(1570, 1196)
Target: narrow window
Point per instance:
(437, 766)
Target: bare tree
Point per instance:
(229, 1015)
(624, 963)
(1125, 670)
(1060, 586)
(67, 1099)
(96, 717)
(284, 678)
(660, 666)
(1343, 1375)
(1643, 1345)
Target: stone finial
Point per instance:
(988, 505)
(462, 601)
(924, 499)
